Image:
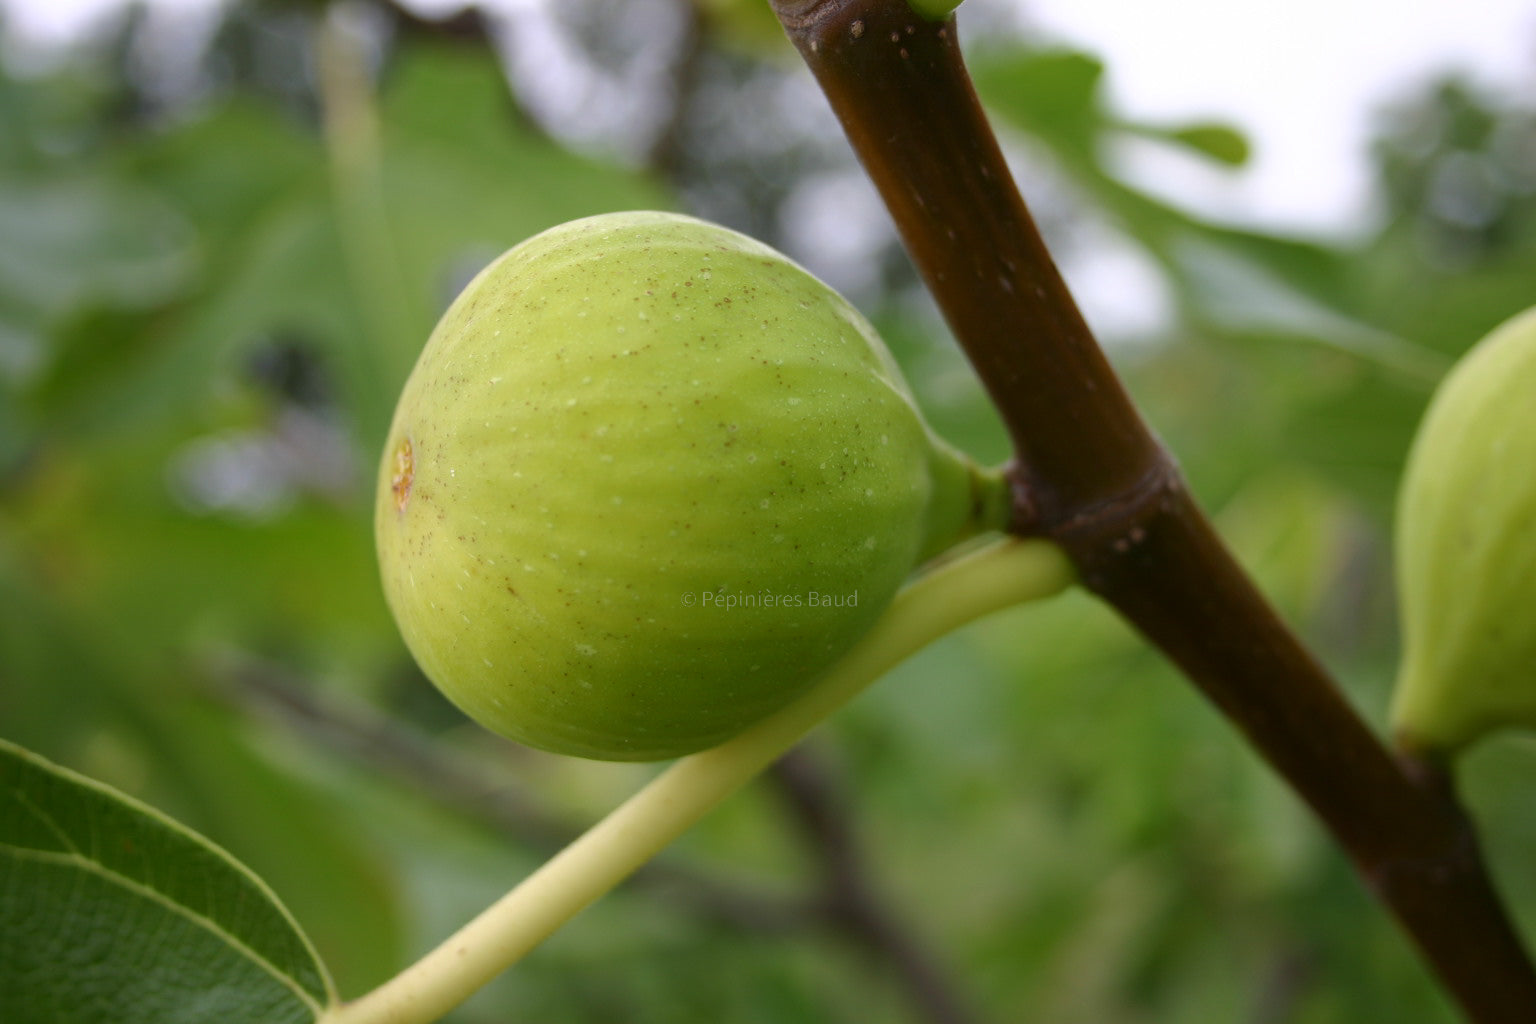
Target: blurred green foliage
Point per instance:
(209, 298)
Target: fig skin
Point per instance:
(648, 479)
(1466, 539)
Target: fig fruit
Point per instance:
(1466, 539)
(648, 479)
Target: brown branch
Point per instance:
(1090, 475)
(852, 904)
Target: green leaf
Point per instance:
(1242, 297)
(111, 912)
(1053, 94)
(1222, 143)
(933, 10)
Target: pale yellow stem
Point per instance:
(395, 323)
(997, 576)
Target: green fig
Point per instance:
(1466, 540)
(648, 479)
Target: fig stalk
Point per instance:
(943, 598)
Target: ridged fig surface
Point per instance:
(648, 478)
(1466, 540)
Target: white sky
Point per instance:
(1302, 77)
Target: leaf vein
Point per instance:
(76, 860)
(48, 823)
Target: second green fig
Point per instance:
(1466, 541)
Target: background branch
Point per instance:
(845, 905)
(413, 760)
(850, 901)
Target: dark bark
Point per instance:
(1090, 475)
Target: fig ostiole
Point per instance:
(647, 480)
(1466, 550)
